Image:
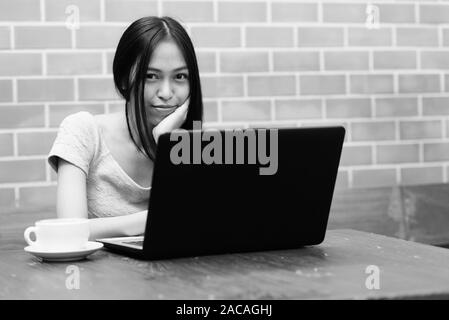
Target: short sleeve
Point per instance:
(75, 141)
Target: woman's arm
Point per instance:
(72, 203)
(122, 226)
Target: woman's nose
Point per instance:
(165, 90)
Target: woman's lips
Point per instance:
(164, 106)
(165, 109)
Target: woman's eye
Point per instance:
(182, 76)
(151, 76)
(179, 76)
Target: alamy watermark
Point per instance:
(72, 21)
(73, 280)
(372, 282)
(372, 17)
(191, 152)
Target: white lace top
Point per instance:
(110, 191)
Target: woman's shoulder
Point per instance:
(77, 141)
(81, 125)
(106, 119)
(79, 116)
(109, 123)
(95, 129)
(81, 119)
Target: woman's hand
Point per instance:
(172, 121)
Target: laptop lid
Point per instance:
(200, 205)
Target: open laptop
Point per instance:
(202, 208)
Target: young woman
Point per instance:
(105, 162)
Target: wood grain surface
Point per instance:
(336, 269)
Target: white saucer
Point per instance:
(73, 255)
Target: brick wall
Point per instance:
(282, 63)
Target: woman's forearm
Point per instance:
(121, 226)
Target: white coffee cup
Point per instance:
(59, 234)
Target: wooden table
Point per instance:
(336, 269)
(417, 213)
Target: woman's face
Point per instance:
(167, 82)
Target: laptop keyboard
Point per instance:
(135, 243)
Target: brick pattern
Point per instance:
(262, 63)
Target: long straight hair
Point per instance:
(131, 60)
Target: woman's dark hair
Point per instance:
(131, 60)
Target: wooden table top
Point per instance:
(339, 268)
